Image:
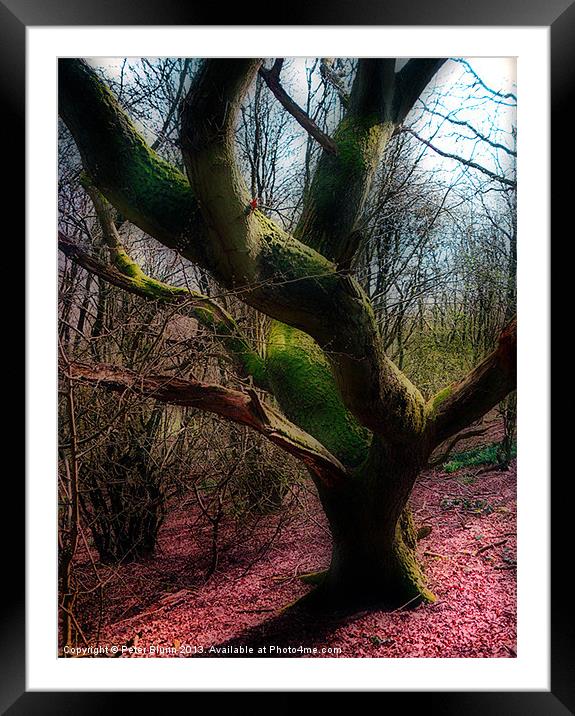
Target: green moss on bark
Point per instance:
(146, 189)
(435, 402)
(341, 183)
(409, 579)
(307, 392)
(200, 307)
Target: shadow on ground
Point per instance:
(284, 634)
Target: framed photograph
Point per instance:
(271, 375)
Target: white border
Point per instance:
(530, 671)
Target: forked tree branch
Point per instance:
(281, 276)
(244, 250)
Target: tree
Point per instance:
(324, 388)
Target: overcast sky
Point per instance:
(492, 119)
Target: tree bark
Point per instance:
(373, 561)
(461, 404)
(241, 407)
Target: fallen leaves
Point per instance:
(469, 559)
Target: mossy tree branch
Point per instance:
(379, 101)
(246, 251)
(445, 452)
(206, 311)
(147, 190)
(300, 376)
(462, 160)
(279, 275)
(461, 404)
(128, 276)
(234, 405)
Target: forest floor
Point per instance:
(165, 606)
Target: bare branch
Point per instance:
(456, 157)
(292, 282)
(246, 361)
(340, 185)
(444, 454)
(331, 77)
(479, 81)
(174, 106)
(271, 78)
(463, 123)
(234, 405)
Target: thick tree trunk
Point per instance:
(373, 560)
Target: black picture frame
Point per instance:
(15, 16)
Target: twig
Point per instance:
(435, 554)
(489, 546)
(288, 577)
(467, 162)
(417, 596)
